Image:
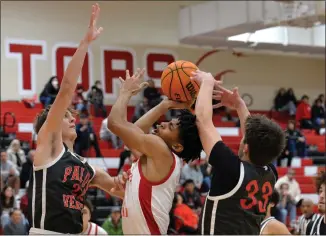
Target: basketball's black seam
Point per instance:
(187, 74)
(174, 70)
(171, 71)
(181, 81)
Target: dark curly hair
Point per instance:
(320, 180)
(265, 139)
(189, 136)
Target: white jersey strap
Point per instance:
(265, 222)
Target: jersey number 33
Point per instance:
(253, 191)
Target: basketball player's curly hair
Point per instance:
(320, 180)
(265, 139)
(189, 136)
(42, 116)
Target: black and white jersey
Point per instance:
(239, 194)
(303, 222)
(57, 191)
(265, 222)
(317, 227)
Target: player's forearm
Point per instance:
(243, 113)
(70, 78)
(103, 180)
(204, 107)
(118, 114)
(149, 118)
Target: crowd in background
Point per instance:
(16, 164)
(307, 116)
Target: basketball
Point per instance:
(176, 83)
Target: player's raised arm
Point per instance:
(58, 110)
(204, 111)
(133, 136)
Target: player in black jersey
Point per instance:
(241, 185)
(271, 226)
(60, 178)
(318, 226)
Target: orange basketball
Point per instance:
(176, 83)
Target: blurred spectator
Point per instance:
(96, 97)
(78, 100)
(9, 173)
(322, 98)
(191, 196)
(8, 202)
(318, 114)
(286, 154)
(17, 225)
(183, 219)
(50, 91)
(284, 102)
(16, 155)
(303, 114)
(295, 144)
(206, 169)
(307, 210)
(107, 135)
(140, 109)
(24, 202)
(228, 115)
(192, 171)
(294, 188)
(287, 204)
(291, 96)
(27, 168)
(86, 137)
(113, 224)
(152, 94)
(90, 228)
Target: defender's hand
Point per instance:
(93, 32)
(227, 98)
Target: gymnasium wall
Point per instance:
(38, 38)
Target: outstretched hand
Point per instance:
(133, 84)
(227, 98)
(93, 32)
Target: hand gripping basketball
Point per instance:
(170, 104)
(132, 85)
